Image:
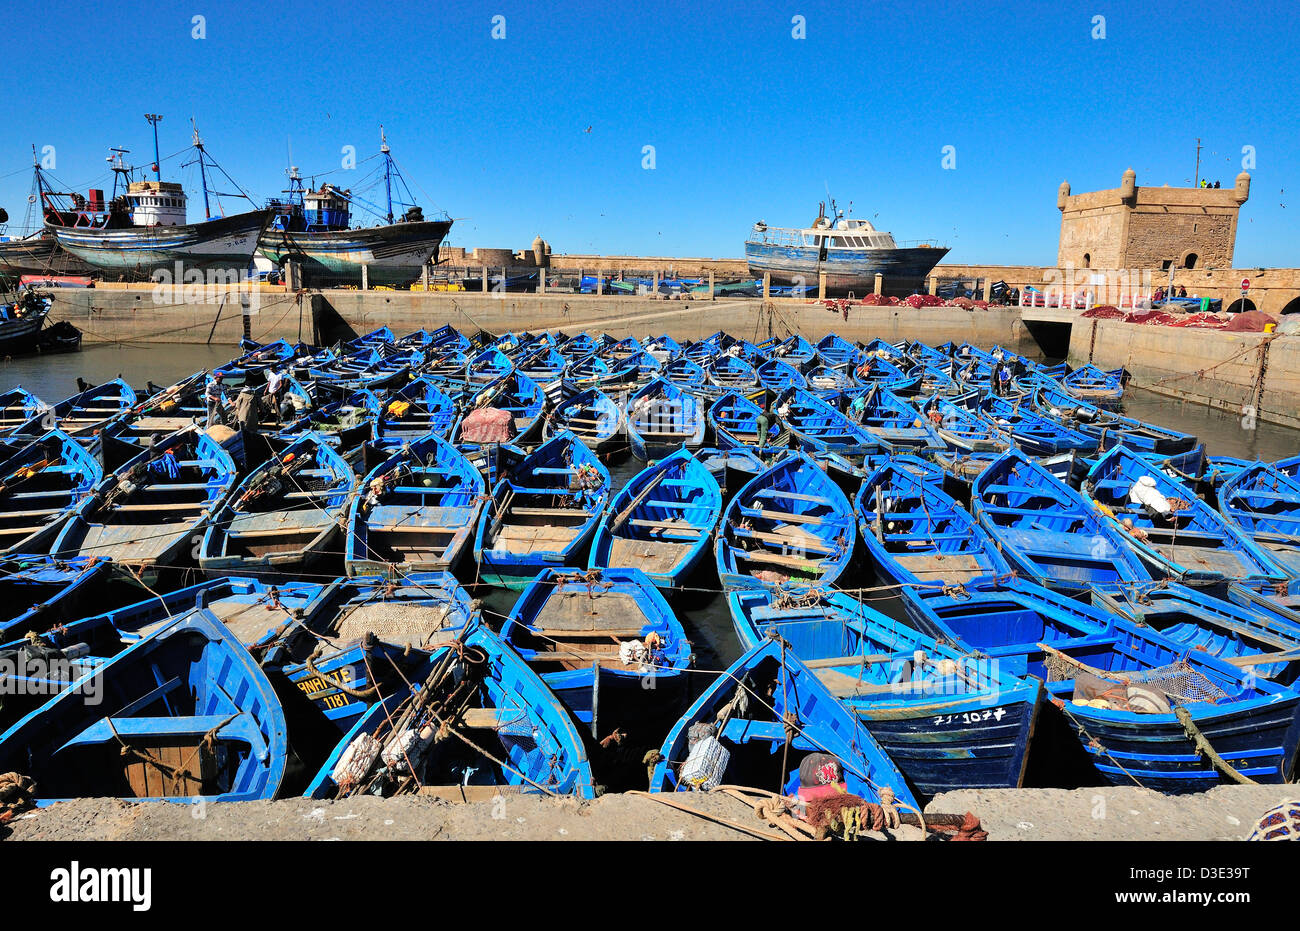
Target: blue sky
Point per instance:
(746, 121)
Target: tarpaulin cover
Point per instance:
(1250, 321)
(487, 425)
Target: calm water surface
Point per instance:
(705, 616)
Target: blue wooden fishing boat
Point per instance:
(40, 486)
(1097, 386)
(820, 427)
(185, 714)
(1174, 531)
(594, 371)
(734, 419)
(596, 638)
(346, 421)
(733, 468)
(286, 517)
(769, 712)
(1161, 444)
(364, 636)
(795, 350)
(501, 731)
(1251, 636)
(827, 382)
(731, 373)
(150, 512)
(545, 365)
(592, 416)
(792, 523)
(258, 358)
(687, 374)
(663, 348)
(542, 514)
(918, 535)
(1032, 433)
(40, 593)
(416, 511)
(948, 719)
(82, 414)
(488, 366)
(661, 521)
(520, 397)
(159, 413)
(17, 407)
(661, 419)
(417, 408)
(897, 425)
(1264, 504)
(1129, 695)
(837, 352)
(777, 375)
(1048, 531)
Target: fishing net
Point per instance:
(1281, 822)
(1149, 690)
(1180, 681)
(394, 623)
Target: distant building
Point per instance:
(1150, 227)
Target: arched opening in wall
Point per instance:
(1189, 260)
(1293, 307)
(1164, 265)
(1239, 305)
(1087, 260)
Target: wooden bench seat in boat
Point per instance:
(805, 543)
(792, 495)
(781, 516)
(685, 529)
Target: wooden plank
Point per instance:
(865, 659)
(781, 516)
(777, 559)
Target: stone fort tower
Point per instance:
(1150, 227)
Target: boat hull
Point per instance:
(845, 269)
(224, 244)
(395, 254)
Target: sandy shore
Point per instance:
(1226, 813)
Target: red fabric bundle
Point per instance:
(487, 425)
(1103, 312)
(1250, 321)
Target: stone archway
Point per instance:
(1190, 259)
(1293, 307)
(1239, 305)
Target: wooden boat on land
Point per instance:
(40, 486)
(416, 511)
(592, 416)
(661, 419)
(1264, 503)
(949, 719)
(286, 517)
(596, 638)
(502, 732)
(1176, 533)
(769, 712)
(1129, 695)
(918, 535)
(1048, 531)
(185, 714)
(792, 523)
(542, 514)
(661, 521)
(151, 511)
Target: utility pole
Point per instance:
(1196, 180)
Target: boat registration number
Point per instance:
(322, 688)
(971, 717)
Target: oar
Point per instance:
(623, 515)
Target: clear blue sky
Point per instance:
(747, 122)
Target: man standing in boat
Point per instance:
(212, 395)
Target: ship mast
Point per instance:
(154, 119)
(203, 173)
(388, 170)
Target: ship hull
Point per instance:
(396, 254)
(846, 269)
(224, 244)
(38, 255)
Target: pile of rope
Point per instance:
(15, 795)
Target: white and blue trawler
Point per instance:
(850, 252)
